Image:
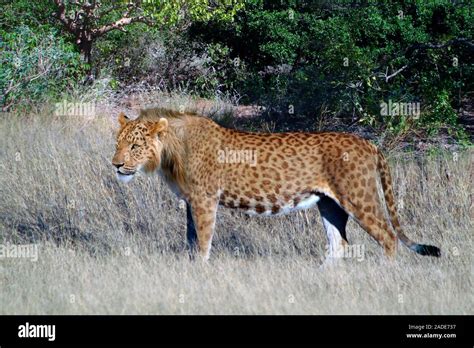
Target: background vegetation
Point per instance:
(305, 62)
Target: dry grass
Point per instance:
(108, 248)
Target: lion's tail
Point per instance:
(386, 181)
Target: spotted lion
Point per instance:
(266, 174)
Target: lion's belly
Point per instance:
(289, 207)
(272, 207)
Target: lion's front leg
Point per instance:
(191, 234)
(204, 210)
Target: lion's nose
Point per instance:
(117, 165)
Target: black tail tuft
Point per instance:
(427, 250)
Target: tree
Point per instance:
(87, 20)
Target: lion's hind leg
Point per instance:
(366, 208)
(334, 221)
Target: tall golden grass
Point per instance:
(106, 248)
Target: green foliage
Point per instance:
(26, 13)
(170, 61)
(221, 72)
(35, 65)
(441, 114)
(316, 56)
(172, 12)
(300, 59)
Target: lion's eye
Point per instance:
(134, 146)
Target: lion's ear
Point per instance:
(123, 120)
(159, 127)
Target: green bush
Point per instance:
(299, 59)
(316, 56)
(36, 65)
(170, 61)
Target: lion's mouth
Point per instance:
(124, 177)
(125, 174)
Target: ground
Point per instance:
(106, 248)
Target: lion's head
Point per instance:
(138, 146)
